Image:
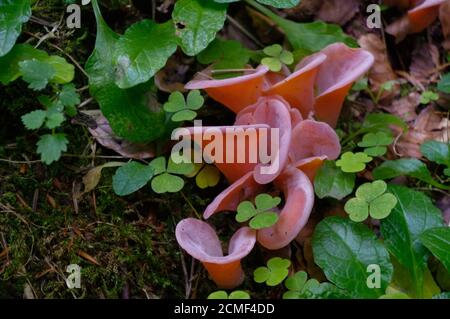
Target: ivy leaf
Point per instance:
(197, 22)
(131, 177)
(69, 96)
(167, 183)
(331, 181)
(413, 215)
(12, 15)
(50, 147)
(276, 271)
(353, 162)
(225, 54)
(406, 166)
(444, 84)
(9, 64)
(437, 152)
(437, 240)
(36, 73)
(344, 250)
(142, 51)
(34, 120)
(130, 123)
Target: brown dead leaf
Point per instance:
(381, 71)
(92, 178)
(444, 16)
(104, 135)
(429, 125)
(51, 201)
(424, 63)
(405, 107)
(88, 257)
(306, 9)
(399, 28)
(338, 11)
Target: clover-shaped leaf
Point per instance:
(165, 181)
(375, 143)
(260, 216)
(371, 199)
(222, 294)
(205, 175)
(428, 97)
(299, 286)
(353, 162)
(276, 57)
(184, 110)
(276, 271)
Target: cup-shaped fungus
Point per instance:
(421, 14)
(336, 76)
(200, 241)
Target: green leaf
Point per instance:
(428, 97)
(209, 176)
(357, 209)
(142, 51)
(378, 121)
(376, 151)
(344, 250)
(36, 73)
(50, 147)
(353, 162)
(406, 166)
(376, 139)
(221, 294)
(331, 181)
(273, 50)
(282, 4)
(245, 211)
(437, 152)
(184, 115)
(159, 165)
(273, 64)
(287, 57)
(225, 54)
(444, 295)
(296, 282)
(370, 191)
(54, 119)
(444, 84)
(276, 271)
(197, 22)
(413, 215)
(34, 120)
(13, 14)
(179, 168)
(194, 100)
(264, 220)
(382, 206)
(266, 202)
(131, 177)
(69, 96)
(127, 111)
(167, 183)
(175, 102)
(239, 294)
(437, 240)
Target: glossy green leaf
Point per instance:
(413, 215)
(331, 181)
(13, 13)
(131, 177)
(379, 121)
(406, 166)
(225, 54)
(344, 250)
(438, 152)
(197, 22)
(437, 240)
(142, 51)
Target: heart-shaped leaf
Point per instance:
(194, 100)
(330, 181)
(264, 220)
(265, 202)
(245, 211)
(353, 162)
(209, 176)
(382, 206)
(175, 103)
(167, 183)
(131, 177)
(358, 209)
(276, 271)
(370, 191)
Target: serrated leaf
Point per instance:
(167, 183)
(131, 177)
(54, 120)
(437, 240)
(36, 73)
(50, 147)
(330, 181)
(13, 14)
(69, 96)
(197, 22)
(34, 120)
(9, 64)
(437, 152)
(142, 51)
(344, 250)
(406, 166)
(413, 215)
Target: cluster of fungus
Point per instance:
(304, 106)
